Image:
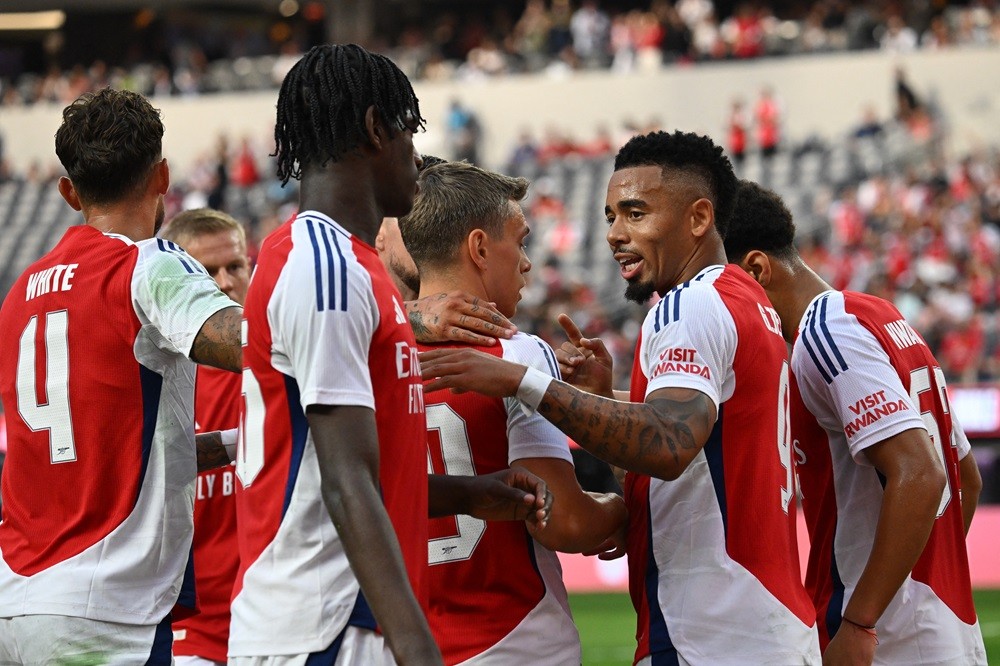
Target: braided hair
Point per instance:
(323, 100)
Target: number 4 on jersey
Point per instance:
(53, 414)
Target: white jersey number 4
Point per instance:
(920, 382)
(456, 452)
(53, 415)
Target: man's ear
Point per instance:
(373, 127)
(477, 245)
(68, 193)
(758, 265)
(162, 176)
(702, 217)
(380, 239)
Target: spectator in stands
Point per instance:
(591, 32)
(767, 117)
(736, 132)
(898, 37)
(463, 132)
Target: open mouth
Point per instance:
(630, 265)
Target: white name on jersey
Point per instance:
(210, 485)
(56, 278)
(903, 334)
(771, 319)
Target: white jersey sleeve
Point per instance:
(324, 348)
(847, 380)
(689, 341)
(531, 435)
(173, 294)
(961, 439)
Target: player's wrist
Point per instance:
(531, 389)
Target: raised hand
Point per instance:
(457, 317)
(584, 362)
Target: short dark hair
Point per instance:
(760, 221)
(108, 142)
(323, 101)
(456, 198)
(686, 151)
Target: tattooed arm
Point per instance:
(218, 342)
(458, 317)
(659, 437)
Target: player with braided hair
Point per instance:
(333, 496)
(336, 86)
(713, 565)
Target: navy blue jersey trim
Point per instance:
(162, 244)
(316, 265)
(550, 358)
(331, 290)
(300, 431)
(818, 339)
(343, 274)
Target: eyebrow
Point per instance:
(628, 203)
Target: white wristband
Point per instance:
(229, 439)
(532, 389)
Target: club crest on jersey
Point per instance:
(676, 359)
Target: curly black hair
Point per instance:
(760, 221)
(688, 151)
(323, 100)
(108, 142)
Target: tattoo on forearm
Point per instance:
(628, 434)
(211, 452)
(218, 342)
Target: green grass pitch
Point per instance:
(607, 626)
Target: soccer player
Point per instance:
(98, 338)
(713, 567)
(888, 484)
(218, 243)
(333, 496)
(497, 595)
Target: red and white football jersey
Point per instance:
(713, 565)
(866, 375)
(99, 478)
(216, 552)
(325, 326)
(496, 595)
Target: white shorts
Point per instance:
(53, 639)
(354, 647)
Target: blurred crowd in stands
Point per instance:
(911, 224)
(551, 36)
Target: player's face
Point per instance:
(404, 163)
(396, 259)
(508, 263)
(647, 233)
(225, 258)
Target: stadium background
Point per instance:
(876, 120)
